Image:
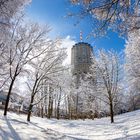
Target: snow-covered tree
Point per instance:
(8, 8)
(108, 66)
(120, 15)
(63, 81)
(132, 67)
(20, 46)
(86, 97)
(44, 69)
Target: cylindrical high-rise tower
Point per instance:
(81, 58)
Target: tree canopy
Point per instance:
(120, 15)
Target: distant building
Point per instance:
(3, 96)
(16, 101)
(81, 58)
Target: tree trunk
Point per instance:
(51, 113)
(58, 110)
(29, 112)
(45, 107)
(30, 108)
(58, 105)
(42, 112)
(49, 107)
(69, 108)
(77, 107)
(111, 112)
(8, 97)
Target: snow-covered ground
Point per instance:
(15, 127)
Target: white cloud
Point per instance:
(68, 43)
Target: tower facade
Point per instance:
(81, 58)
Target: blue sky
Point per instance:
(53, 12)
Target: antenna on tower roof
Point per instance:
(81, 36)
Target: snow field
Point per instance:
(15, 127)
